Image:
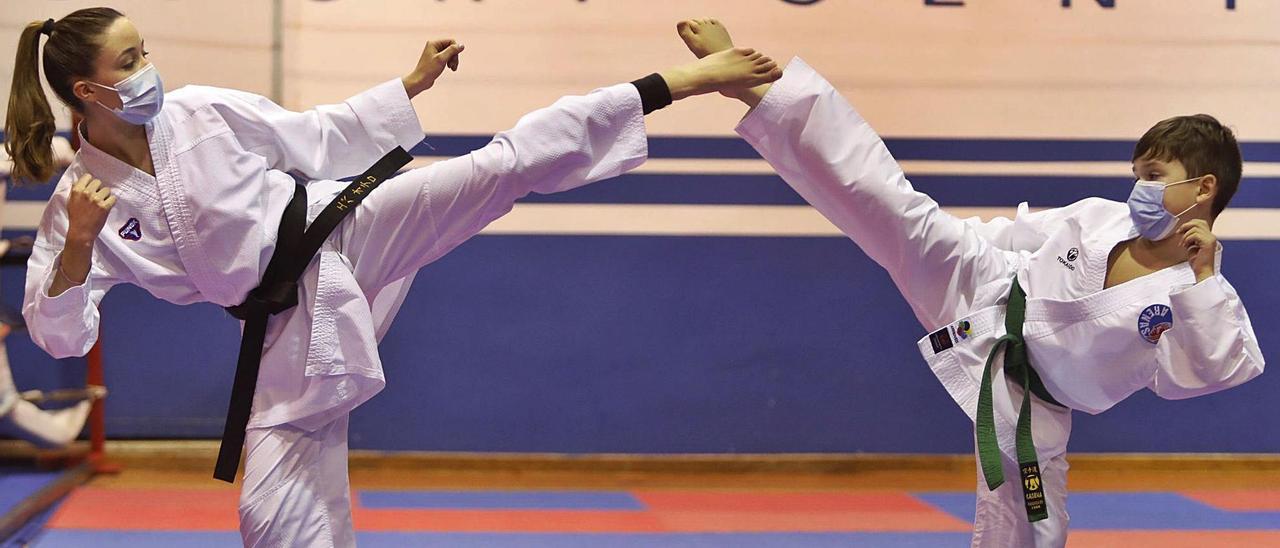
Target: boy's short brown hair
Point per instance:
(1204, 147)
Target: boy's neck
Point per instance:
(1166, 252)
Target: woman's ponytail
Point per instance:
(29, 125)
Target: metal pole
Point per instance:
(277, 51)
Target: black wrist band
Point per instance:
(654, 93)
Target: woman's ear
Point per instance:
(83, 91)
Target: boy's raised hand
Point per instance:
(1201, 246)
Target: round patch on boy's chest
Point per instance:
(1154, 321)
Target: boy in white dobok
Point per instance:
(1029, 318)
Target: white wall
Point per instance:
(990, 68)
(222, 43)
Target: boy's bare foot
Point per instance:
(707, 36)
(704, 36)
(734, 68)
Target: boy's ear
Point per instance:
(1208, 188)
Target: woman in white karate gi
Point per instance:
(20, 418)
(190, 187)
(1118, 297)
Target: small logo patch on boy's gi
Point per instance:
(1154, 321)
(962, 330)
(132, 230)
(941, 339)
(1072, 255)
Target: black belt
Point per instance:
(296, 245)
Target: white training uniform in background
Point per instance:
(20, 418)
(204, 227)
(1091, 346)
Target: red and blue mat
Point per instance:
(21, 488)
(135, 517)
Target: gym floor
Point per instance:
(886, 501)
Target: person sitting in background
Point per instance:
(20, 418)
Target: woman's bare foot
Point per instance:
(704, 36)
(707, 36)
(734, 68)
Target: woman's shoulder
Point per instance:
(184, 101)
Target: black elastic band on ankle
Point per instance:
(654, 93)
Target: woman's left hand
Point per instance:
(1201, 246)
(436, 55)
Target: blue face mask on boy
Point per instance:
(1146, 207)
(141, 96)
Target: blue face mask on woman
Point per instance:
(1146, 207)
(141, 96)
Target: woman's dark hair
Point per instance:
(73, 45)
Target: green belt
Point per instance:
(1017, 365)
